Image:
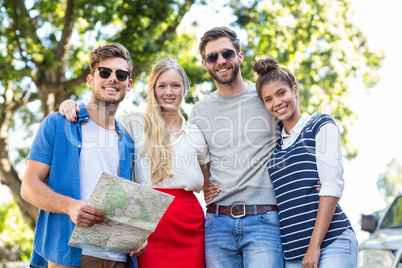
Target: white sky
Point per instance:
(376, 133)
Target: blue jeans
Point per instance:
(340, 253)
(250, 241)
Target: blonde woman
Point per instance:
(169, 155)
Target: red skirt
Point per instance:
(178, 240)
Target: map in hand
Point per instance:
(133, 212)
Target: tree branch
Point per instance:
(22, 21)
(63, 47)
(77, 81)
(183, 9)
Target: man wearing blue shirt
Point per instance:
(66, 160)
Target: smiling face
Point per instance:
(281, 101)
(109, 90)
(169, 90)
(223, 71)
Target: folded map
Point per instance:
(133, 212)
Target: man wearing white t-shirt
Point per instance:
(67, 159)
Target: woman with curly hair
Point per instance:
(315, 232)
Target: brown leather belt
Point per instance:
(239, 210)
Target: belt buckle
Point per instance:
(241, 215)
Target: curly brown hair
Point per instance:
(269, 70)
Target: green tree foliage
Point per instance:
(16, 237)
(317, 41)
(44, 55)
(45, 47)
(390, 182)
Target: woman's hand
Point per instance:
(139, 251)
(311, 258)
(325, 213)
(69, 110)
(210, 192)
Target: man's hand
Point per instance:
(84, 215)
(140, 250)
(210, 192)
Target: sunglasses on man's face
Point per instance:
(105, 72)
(227, 54)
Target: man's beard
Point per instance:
(227, 80)
(97, 97)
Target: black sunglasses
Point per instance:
(227, 54)
(105, 72)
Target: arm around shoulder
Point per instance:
(69, 109)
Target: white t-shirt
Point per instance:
(100, 153)
(189, 152)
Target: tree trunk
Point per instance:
(9, 175)
(51, 94)
(8, 255)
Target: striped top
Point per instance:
(294, 174)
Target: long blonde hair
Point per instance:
(157, 135)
